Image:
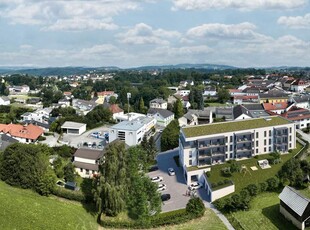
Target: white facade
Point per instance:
(73, 128)
(209, 92)
(183, 92)
(4, 101)
(132, 132)
(207, 150)
(119, 117)
(158, 104)
(162, 120)
(24, 89)
(86, 162)
(40, 115)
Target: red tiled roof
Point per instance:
(105, 93)
(275, 106)
(295, 114)
(67, 93)
(115, 109)
(28, 132)
(245, 97)
(235, 90)
(298, 82)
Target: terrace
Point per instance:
(241, 180)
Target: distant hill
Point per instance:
(58, 71)
(186, 66)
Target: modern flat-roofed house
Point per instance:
(202, 146)
(86, 162)
(24, 89)
(158, 103)
(295, 207)
(132, 132)
(75, 128)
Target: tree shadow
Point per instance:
(274, 215)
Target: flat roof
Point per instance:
(72, 125)
(224, 127)
(133, 125)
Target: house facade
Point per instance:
(163, 116)
(24, 89)
(86, 162)
(158, 103)
(132, 132)
(40, 115)
(205, 145)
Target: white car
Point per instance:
(157, 179)
(195, 186)
(161, 187)
(171, 172)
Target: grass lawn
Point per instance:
(263, 215)
(209, 221)
(241, 180)
(24, 209)
(217, 104)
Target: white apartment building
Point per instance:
(132, 132)
(40, 115)
(205, 145)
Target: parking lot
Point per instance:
(78, 141)
(176, 186)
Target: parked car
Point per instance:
(94, 145)
(85, 144)
(157, 179)
(153, 168)
(165, 197)
(171, 172)
(161, 187)
(195, 186)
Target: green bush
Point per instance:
(41, 138)
(162, 219)
(263, 186)
(273, 183)
(195, 207)
(220, 183)
(253, 189)
(68, 194)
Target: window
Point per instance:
(230, 156)
(265, 149)
(265, 133)
(256, 150)
(231, 148)
(226, 139)
(265, 142)
(290, 129)
(269, 132)
(81, 170)
(190, 154)
(231, 138)
(290, 145)
(190, 162)
(269, 149)
(257, 135)
(87, 171)
(290, 138)
(226, 156)
(256, 143)
(269, 141)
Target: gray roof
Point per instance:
(89, 154)
(254, 107)
(83, 165)
(72, 125)
(302, 98)
(294, 200)
(158, 100)
(5, 141)
(4, 98)
(132, 125)
(163, 112)
(239, 110)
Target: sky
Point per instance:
(132, 33)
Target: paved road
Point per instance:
(177, 187)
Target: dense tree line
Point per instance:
(170, 136)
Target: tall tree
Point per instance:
(170, 136)
(178, 109)
(141, 106)
(223, 95)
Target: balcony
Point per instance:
(244, 149)
(210, 145)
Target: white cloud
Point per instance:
(66, 15)
(298, 22)
(144, 34)
(242, 31)
(237, 4)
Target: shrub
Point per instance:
(263, 186)
(235, 167)
(226, 181)
(208, 173)
(219, 204)
(213, 185)
(41, 138)
(195, 207)
(226, 171)
(68, 194)
(220, 183)
(253, 189)
(273, 183)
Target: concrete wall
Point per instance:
(291, 218)
(83, 173)
(88, 161)
(217, 194)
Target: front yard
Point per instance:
(264, 214)
(243, 179)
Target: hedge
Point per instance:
(162, 219)
(68, 194)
